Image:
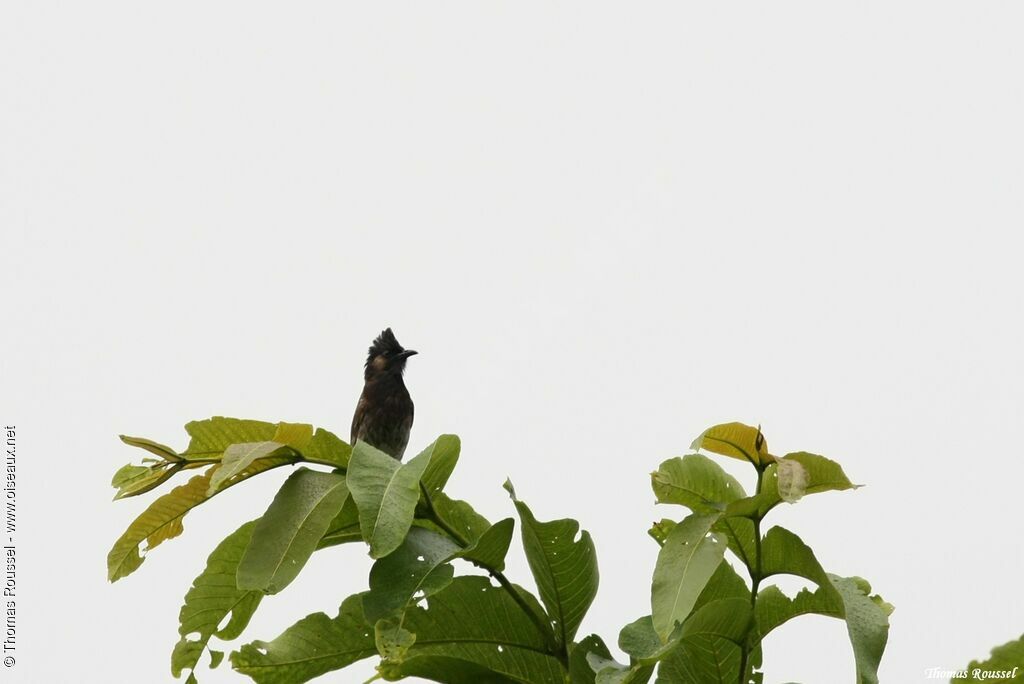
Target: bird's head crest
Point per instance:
(386, 353)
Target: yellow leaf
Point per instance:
(736, 440)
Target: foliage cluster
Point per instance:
(705, 623)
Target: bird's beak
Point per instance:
(407, 353)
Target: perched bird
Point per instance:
(383, 416)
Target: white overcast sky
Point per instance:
(604, 226)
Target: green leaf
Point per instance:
(326, 448)
(238, 457)
(472, 626)
(802, 473)
(291, 529)
(580, 671)
(386, 492)
(701, 660)
(213, 597)
(443, 455)
(163, 519)
(392, 641)
(722, 610)
(641, 643)
(491, 547)
(867, 617)
(735, 440)
(696, 482)
(1007, 660)
(726, 618)
(565, 568)
(164, 452)
(418, 568)
(313, 646)
(775, 608)
(686, 562)
(724, 583)
(212, 436)
(740, 533)
(132, 480)
(295, 435)
(460, 516)
(344, 528)
(791, 477)
(659, 531)
(610, 672)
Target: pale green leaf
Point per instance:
(443, 456)
(686, 562)
(697, 482)
(288, 533)
(386, 492)
(238, 457)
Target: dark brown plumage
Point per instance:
(383, 416)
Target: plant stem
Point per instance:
(755, 583)
(493, 572)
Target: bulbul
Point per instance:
(383, 416)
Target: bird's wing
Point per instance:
(357, 419)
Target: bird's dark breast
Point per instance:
(384, 417)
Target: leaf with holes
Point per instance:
(472, 626)
(848, 598)
(313, 646)
(564, 567)
(417, 569)
(686, 562)
(163, 519)
(212, 598)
